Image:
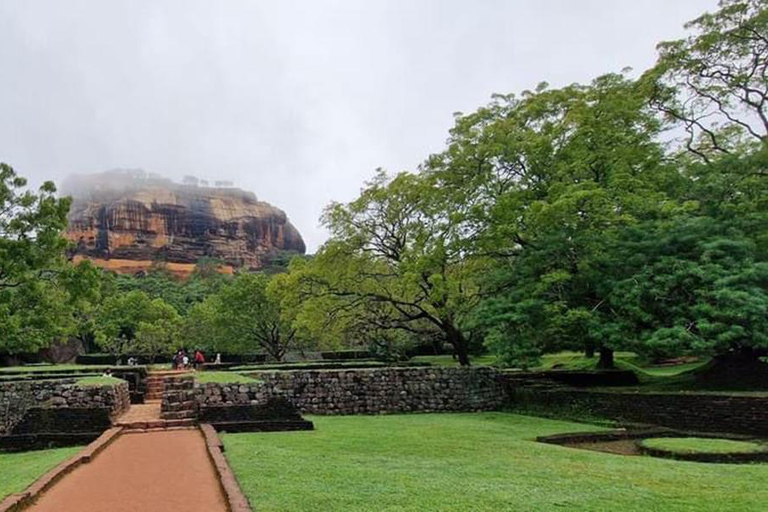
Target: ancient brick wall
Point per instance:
(367, 391)
(17, 397)
(703, 412)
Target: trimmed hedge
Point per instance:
(346, 354)
(237, 358)
(22, 377)
(111, 359)
(328, 365)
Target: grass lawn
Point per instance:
(223, 378)
(448, 360)
(624, 361)
(19, 470)
(577, 361)
(703, 445)
(50, 368)
(98, 381)
(472, 462)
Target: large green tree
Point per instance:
(614, 239)
(552, 178)
(696, 285)
(40, 293)
(242, 317)
(714, 83)
(132, 322)
(396, 257)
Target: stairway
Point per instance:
(156, 383)
(169, 403)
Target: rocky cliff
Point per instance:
(126, 220)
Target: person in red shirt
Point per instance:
(199, 359)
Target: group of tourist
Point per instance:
(182, 361)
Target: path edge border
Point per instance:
(236, 500)
(20, 501)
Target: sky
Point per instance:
(297, 101)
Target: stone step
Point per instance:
(178, 415)
(159, 424)
(189, 405)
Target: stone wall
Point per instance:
(367, 391)
(179, 398)
(702, 412)
(17, 397)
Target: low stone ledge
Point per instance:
(609, 435)
(367, 391)
(13, 502)
(711, 458)
(47, 428)
(236, 499)
(16, 398)
(691, 412)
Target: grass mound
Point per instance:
(687, 445)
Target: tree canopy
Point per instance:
(241, 318)
(619, 214)
(40, 294)
(133, 323)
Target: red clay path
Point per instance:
(151, 472)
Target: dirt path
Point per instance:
(158, 471)
(149, 411)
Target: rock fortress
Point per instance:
(126, 220)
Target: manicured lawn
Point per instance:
(223, 378)
(19, 470)
(50, 368)
(98, 381)
(624, 360)
(703, 445)
(450, 361)
(477, 462)
(577, 361)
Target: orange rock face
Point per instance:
(125, 221)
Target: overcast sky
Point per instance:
(296, 101)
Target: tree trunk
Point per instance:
(274, 349)
(589, 351)
(459, 343)
(606, 361)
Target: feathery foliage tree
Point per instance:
(40, 293)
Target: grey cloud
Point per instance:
(296, 101)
